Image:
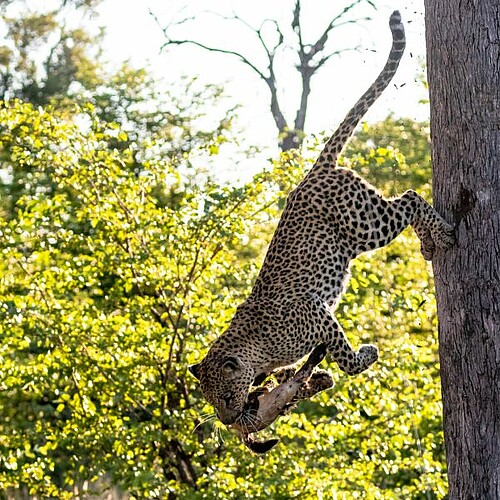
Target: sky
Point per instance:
(134, 32)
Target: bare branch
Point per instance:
(257, 31)
(311, 58)
(278, 31)
(352, 21)
(270, 51)
(324, 59)
(296, 18)
(172, 41)
(241, 57)
(320, 43)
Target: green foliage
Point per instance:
(112, 281)
(41, 55)
(396, 151)
(106, 296)
(45, 61)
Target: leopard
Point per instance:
(329, 219)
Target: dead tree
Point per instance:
(463, 54)
(310, 58)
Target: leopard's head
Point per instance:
(225, 381)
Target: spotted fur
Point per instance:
(329, 219)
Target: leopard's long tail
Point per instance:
(337, 141)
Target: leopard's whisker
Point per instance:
(219, 435)
(250, 420)
(204, 420)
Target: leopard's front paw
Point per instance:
(367, 355)
(319, 381)
(357, 362)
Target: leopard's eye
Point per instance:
(227, 398)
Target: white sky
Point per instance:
(133, 34)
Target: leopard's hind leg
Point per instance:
(395, 214)
(427, 245)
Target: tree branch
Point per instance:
(321, 41)
(324, 59)
(171, 41)
(241, 57)
(258, 31)
(307, 65)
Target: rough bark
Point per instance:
(463, 55)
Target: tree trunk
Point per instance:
(463, 54)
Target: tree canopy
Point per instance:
(109, 291)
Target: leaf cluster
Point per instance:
(107, 293)
(113, 280)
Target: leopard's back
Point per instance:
(331, 213)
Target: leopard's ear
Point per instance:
(195, 370)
